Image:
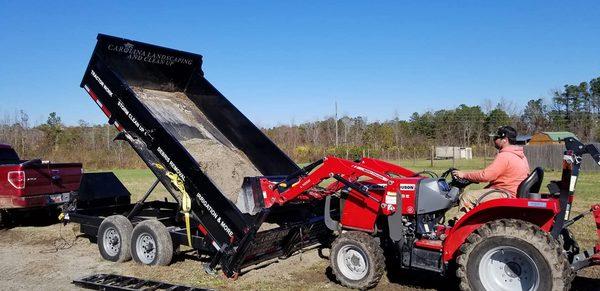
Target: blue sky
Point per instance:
(287, 61)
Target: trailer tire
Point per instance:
(151, 243)
(516, 252)
(357, 260)
(114, 238)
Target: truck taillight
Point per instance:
(17, 179)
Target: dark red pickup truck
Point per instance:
(34, 183)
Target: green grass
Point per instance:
(138, 181)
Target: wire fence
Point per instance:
(550, 157)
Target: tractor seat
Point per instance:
(531, 184)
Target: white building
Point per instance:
(448, 152)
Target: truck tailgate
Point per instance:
(65, 177)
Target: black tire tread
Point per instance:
(550, 249)
(125, 229)
(373, 249)
(163, 241)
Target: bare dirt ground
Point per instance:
(30, 261)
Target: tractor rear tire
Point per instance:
(151, 244)
(114, 238)
(357, 260)
(511, 254)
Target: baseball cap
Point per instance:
(506, 131)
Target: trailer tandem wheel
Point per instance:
(151, 243)
(511, 254)
(357, 260)
(114, 238)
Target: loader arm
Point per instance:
(387, 168)
(345, 172)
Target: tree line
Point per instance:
(574, 108)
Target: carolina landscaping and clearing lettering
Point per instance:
(147, 56)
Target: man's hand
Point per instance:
(458, 174)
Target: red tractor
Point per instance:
(518, 243)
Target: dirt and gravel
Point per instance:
(225, 165)
(29, 260)
(50, 257)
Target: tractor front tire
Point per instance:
(357, 260)
(114, 238)
(511, 254)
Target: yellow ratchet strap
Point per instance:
(186, 202)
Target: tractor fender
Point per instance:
(540, 212)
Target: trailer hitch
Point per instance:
(579, 216)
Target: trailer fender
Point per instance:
(539, 212)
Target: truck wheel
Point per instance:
(357, 260)
(511, 254)
(114, 238)
(151, 244)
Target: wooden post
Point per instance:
(453, 160)
(431, 155)
(485, 155)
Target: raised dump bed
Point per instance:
(200, 146)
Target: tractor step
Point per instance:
(117, 282)
(429, 244)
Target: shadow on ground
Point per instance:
(30, 217)
(585, 283)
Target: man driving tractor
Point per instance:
(504, 174)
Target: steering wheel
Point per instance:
(430, 173)
(455, 181)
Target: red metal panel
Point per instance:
(539, 212)
(435, 245)
(360, 213)
(408, 192)
(65, 177)
(596, 256)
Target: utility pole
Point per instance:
(336, 126)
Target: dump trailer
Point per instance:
(200, 147)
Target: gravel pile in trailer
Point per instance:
(225, 165)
